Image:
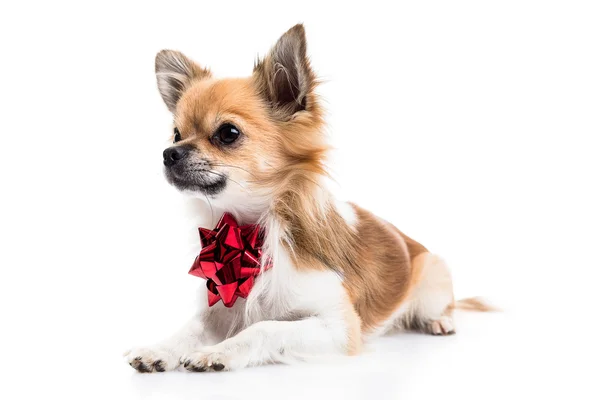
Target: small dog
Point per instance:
(254, 147)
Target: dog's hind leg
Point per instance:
(431, 303)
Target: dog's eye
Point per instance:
(227, 134)
(176, 135)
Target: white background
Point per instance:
(471, 125)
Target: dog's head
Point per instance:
(238, 141)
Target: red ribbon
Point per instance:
(229, 260)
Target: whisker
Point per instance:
(226, 177)
(217, 164)
(212, 212)
(232, 166)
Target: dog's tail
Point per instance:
(474, 304)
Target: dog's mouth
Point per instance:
(205, 181)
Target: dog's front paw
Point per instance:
(214, 358)
(151, 359)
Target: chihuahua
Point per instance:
(338, 275)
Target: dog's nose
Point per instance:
(173, 154)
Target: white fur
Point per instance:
(442, 326)
(169, 351)
(347, 212)
(434, 293)
(238, 199)
(289, 315)
(304, 318)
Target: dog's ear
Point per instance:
(284, 77)
(174, 73)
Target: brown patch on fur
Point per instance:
(386, 274)
(418, 263)
(374, 259)
(414, 248)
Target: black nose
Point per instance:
(173, 154)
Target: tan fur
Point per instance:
(385, 274)
(375, 258)
(472, 304)
(353, 322)
(208, 104)
(418, 264)
(430, 295)
(283, 152)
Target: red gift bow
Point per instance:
(229, 260)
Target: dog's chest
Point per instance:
(287, 293)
